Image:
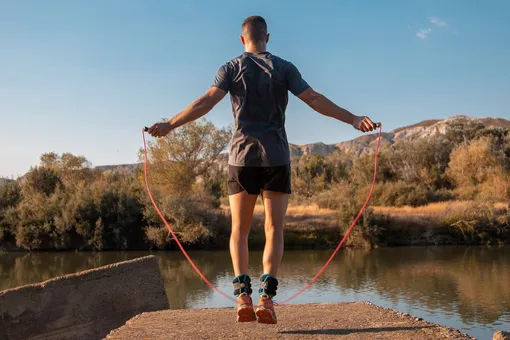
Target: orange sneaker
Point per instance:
(265, 310)
(245, 312)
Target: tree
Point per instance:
(10, 195)
(479, 166)
(313, 174)
(214, 184)
(462, 132)
(421, 161)
(177, 160)
(362, 170)
(42, 180)
(71, 168)
(50, 160)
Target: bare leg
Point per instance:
(241, 206)
(275, 205)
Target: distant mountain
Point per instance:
(125, 169)
(365, 143)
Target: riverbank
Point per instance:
(351, 320)
(311, 227)
(445, 223)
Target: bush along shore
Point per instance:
(451, 188)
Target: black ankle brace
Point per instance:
(242, 284)
(268, 285)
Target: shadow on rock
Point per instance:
(350, 331)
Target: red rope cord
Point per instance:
(171, 230)
(319, 273)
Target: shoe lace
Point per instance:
(245, 300)
(273, 303)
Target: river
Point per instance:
(462, 287)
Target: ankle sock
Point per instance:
(242, 284)
(268, 285)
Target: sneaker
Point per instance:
(265, 310)
(245, 312)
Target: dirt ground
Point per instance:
(353, 320)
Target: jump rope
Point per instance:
(319, 273)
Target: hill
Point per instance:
(424, 129)
(120, 168)
(365, 143)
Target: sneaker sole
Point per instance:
(246, 315)
(265, 316)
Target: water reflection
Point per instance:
(18, 269)
(464, 287)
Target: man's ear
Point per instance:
(243, 41)
(267, 38)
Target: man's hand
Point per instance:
(160, 129)
(364, 124)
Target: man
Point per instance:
(259, 159)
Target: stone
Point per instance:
(346, 320)
(85, 305)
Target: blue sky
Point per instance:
(85, 76)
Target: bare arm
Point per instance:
(195, 110)
(323, 105)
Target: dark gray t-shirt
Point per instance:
(258, 86)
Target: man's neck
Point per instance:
(256, 48)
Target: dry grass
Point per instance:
(299, 216)
(309, 225)
(300, 210)
(431, 210)
(293, 210)
(303, 217)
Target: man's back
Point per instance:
(258, 84)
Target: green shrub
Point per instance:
(158, 236)
(42, 180)
(369, 229)
(193, 221)
(10, 195)
(478, 223)
(336, 197)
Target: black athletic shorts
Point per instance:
(255, 179)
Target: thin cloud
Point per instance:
(438, 22)
(422, 34)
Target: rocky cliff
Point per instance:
(366, 143)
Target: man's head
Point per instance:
(254, 31)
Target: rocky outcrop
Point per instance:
(312, 149)
(366, 143)
(348, 320)
(86, 305)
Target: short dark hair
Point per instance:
(255, 28)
